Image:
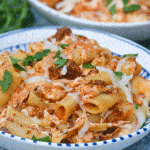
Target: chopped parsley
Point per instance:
(87, 65)
(57, 54)
(136, 106)
(118, 73)
(7, 77)
(125, 2)
(130, 8)
(44, 139)
(129, 55)
(113, 9)
(133, 7)
(108, 2)
(40, 55)
(63, 46)
(81, 36)
(143, 125)
(15, 65)
(28, 60)
(104, 132)
(60, 62)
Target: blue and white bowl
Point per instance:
(135, 31)
(20, 39)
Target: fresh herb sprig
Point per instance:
(118, 73)
(44, 139)
(130, 8)
(88, 65)
(113, 9)
(129, 55)
(29, 59)
(63, 46)
(7, 77)
(60, 62)
(14, 14)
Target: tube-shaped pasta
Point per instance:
(16, 80)
(104, 76)
(98, 126)
(19, 55)
(57, 137)
(22, 131)
(34, 99)
(141, 86)
(100, 103)
(65, 107)
(19, 117)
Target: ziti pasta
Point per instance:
(120, 11)
(69, 89)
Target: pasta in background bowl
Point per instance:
(134, 29)
(58, 81)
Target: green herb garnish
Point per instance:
(129, 55)
(81, 36)
(14, 14)
(28, 60)
(15, 65)
(60, 62)
(136, 106)
(44, 139)
(113, 10)
(7, 77)
(131, 8)
(118, 73)
(63, 46)
(40, 55)
(57, 54)
(37, 56)
(125, 2)
(143, 125)
(87, 65)
(108, 2)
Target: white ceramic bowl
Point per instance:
(134, 31)
(20, 39)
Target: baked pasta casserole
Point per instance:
(69, 89)
(120, 11)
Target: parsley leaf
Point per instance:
(60, 62)
(125, 2)
(131, 8)
(28, 60)
(44, 139)
(113, 10)
(87, 65)
(143, 125)
(81, 36)
(118, 73)
(136, 106)
(7, 77)
(15, 65)
(129, 55)
(37, 56)
(63, 46)
(108, 2)
(40, 55)
(14, 61)
(57, 54)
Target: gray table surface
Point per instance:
(144, 143)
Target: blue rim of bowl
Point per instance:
(46, 8)
(144, 130)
